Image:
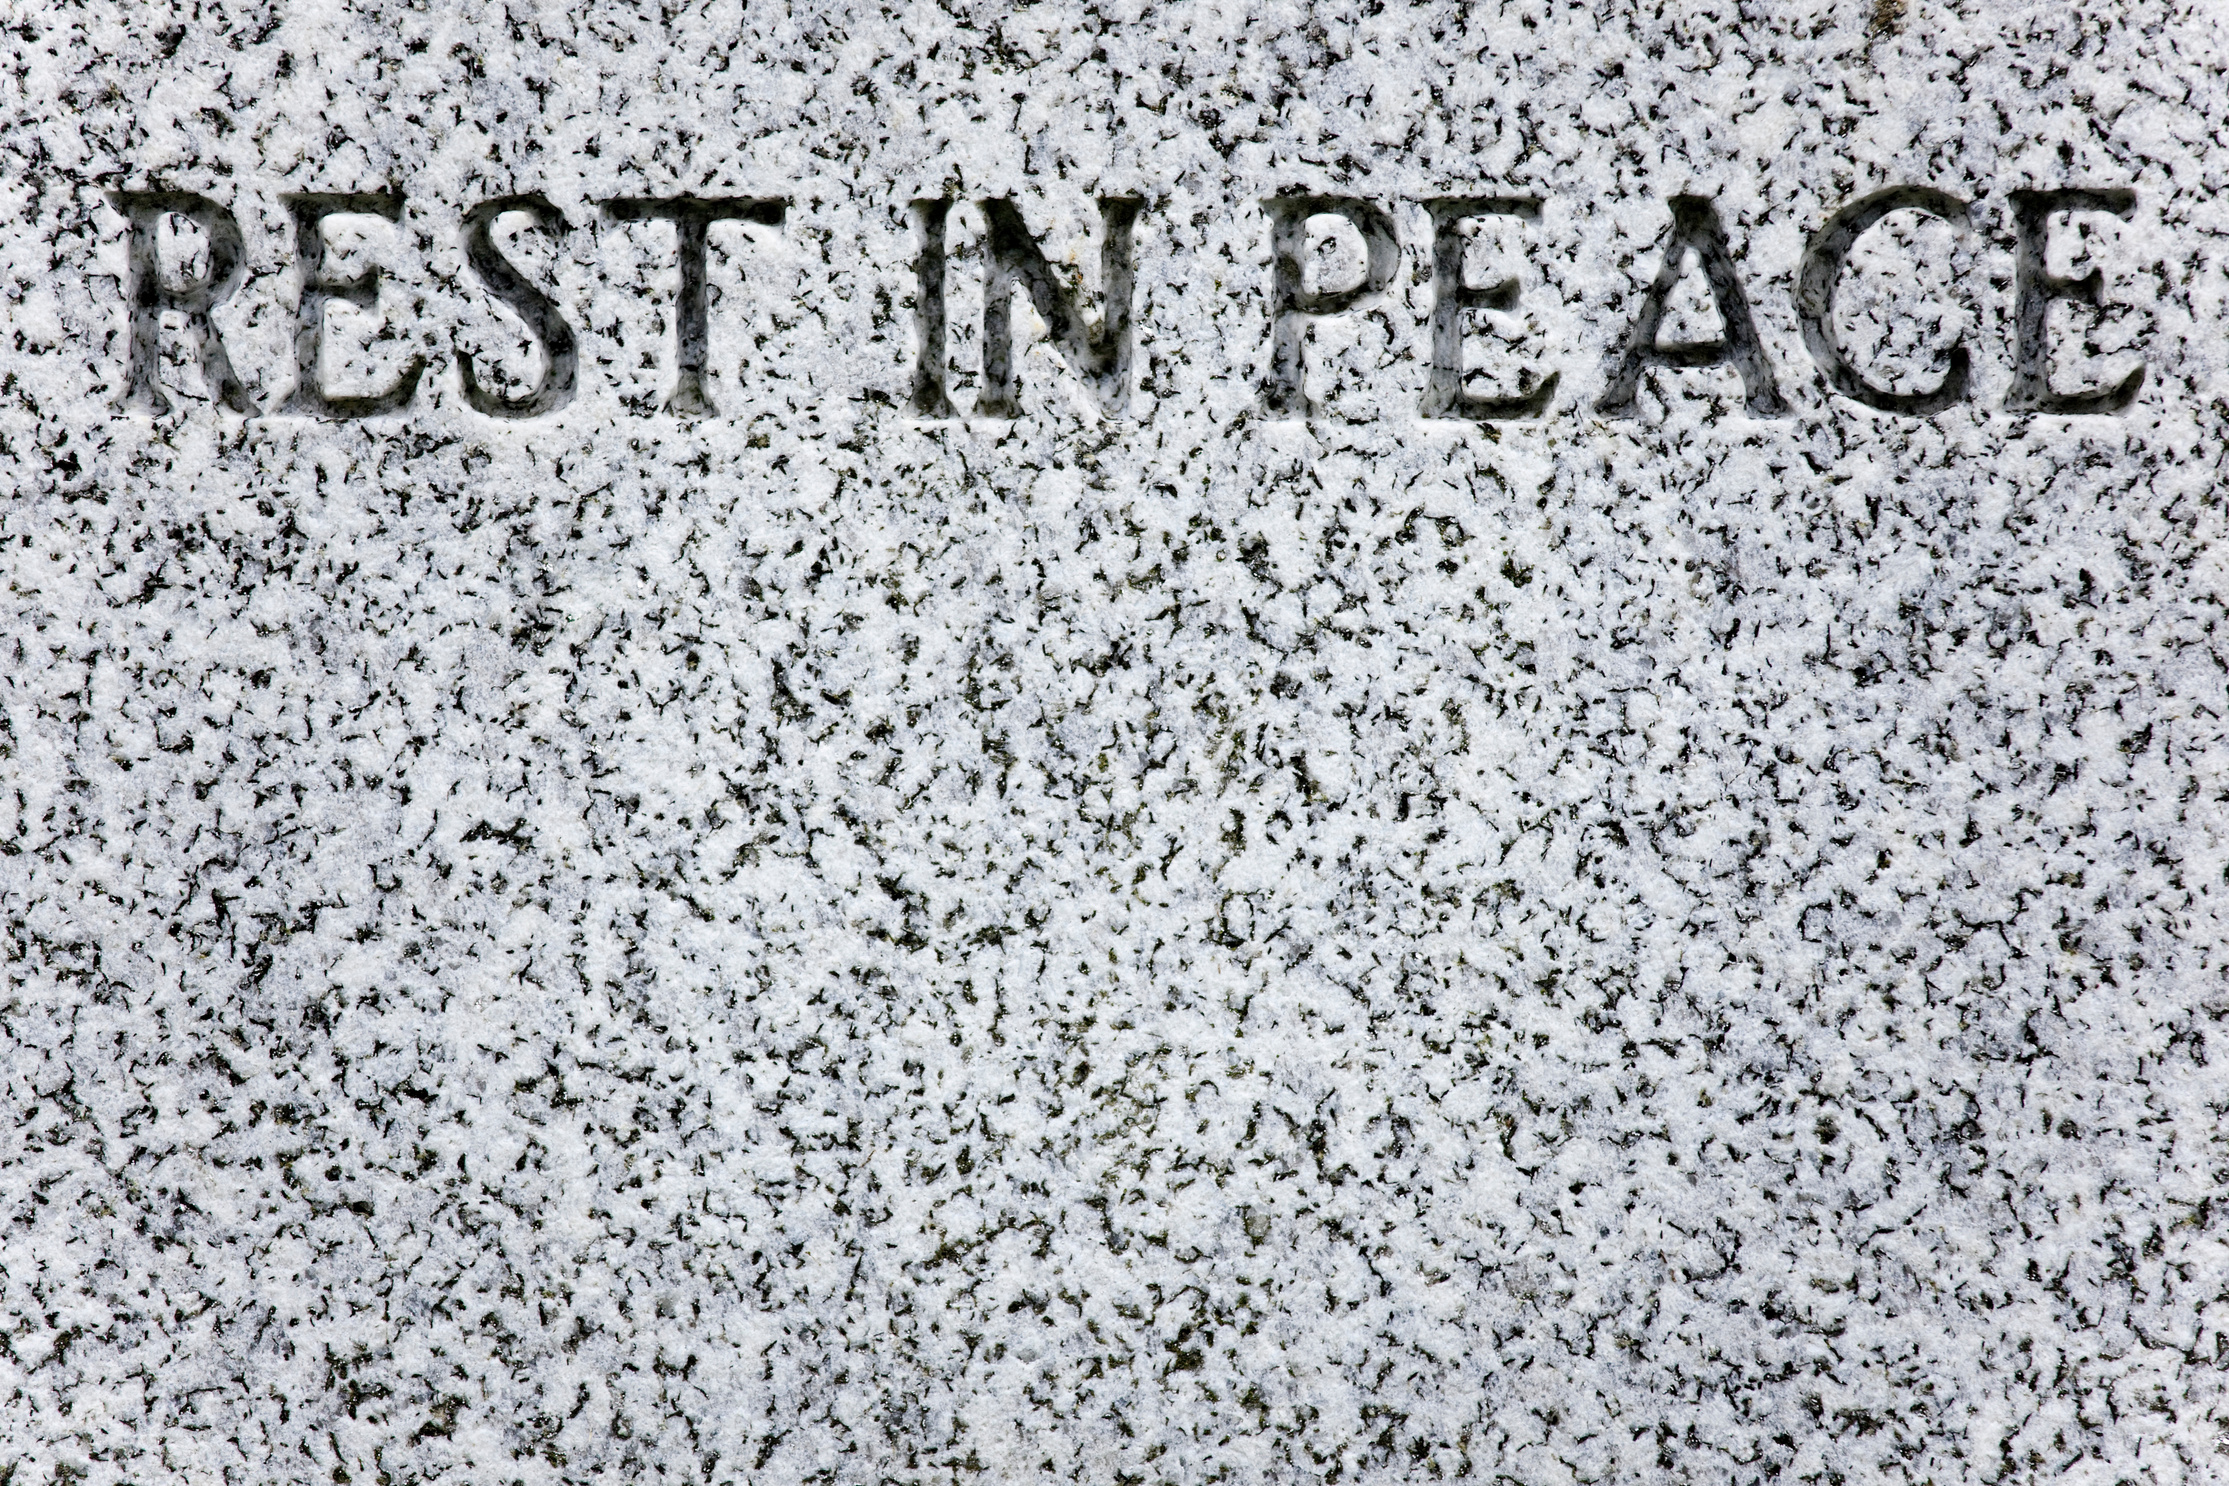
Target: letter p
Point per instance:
(1293, 304)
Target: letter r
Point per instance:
(194, 298)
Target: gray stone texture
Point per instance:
(1139, 941)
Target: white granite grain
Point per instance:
(1143, 940)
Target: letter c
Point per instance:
(1823, 262)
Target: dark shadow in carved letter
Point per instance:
(1695, 227)
(1822, 273)
(2037, 286)
(929, 397)
(1102, 358)
(1444, 397)
(692, 217)
(194, 298)
(561, 359)
(1291, 305)
(309, 395)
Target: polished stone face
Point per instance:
(1005, 743)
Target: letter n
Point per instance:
(1100, 353)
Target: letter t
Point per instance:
(691, 216)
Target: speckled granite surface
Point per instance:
(568, 921)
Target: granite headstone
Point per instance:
(1114, 743)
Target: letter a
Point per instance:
(1694, 226)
